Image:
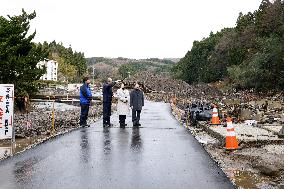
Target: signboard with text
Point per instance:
(6, 110)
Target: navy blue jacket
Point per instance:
(136, 99)
(85, 94)
(107, 92)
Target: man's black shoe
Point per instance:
(135, 125)
(106, 125)
(138, 124)
(123, 125)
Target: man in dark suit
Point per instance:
(136, 104)
(107, 100)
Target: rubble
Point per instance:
(246, 133)
(164, 88)
(259, 164)
(38, 121)
(243, 105)
(272, 128)
(274, 149)
(266, 168)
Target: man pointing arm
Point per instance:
(107, 99)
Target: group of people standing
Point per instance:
(133, 100)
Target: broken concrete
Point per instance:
(259, 164)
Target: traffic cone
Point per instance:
(215, 118)
(231, 139)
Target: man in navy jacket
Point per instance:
(136, 104)
(107, 99)
(85, 100)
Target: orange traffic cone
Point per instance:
(215, 117)
(231, 139)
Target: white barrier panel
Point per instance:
(6, 110)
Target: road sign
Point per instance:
(6, 111)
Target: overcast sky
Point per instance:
(129, 28)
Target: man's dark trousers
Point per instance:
(84, 114)
(106, 112)
(122, 120)
(136, 116)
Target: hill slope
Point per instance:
(121, 67)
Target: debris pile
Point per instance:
(164, 88)
(257, 118)
(39, 121)
(264, 108)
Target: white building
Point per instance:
(51, 69)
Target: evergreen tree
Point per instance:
(18, 54)
(251, 54)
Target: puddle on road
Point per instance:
(6, 148)
(246, 180)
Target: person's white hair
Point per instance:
(109, 80)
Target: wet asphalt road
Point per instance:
(160, 154)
